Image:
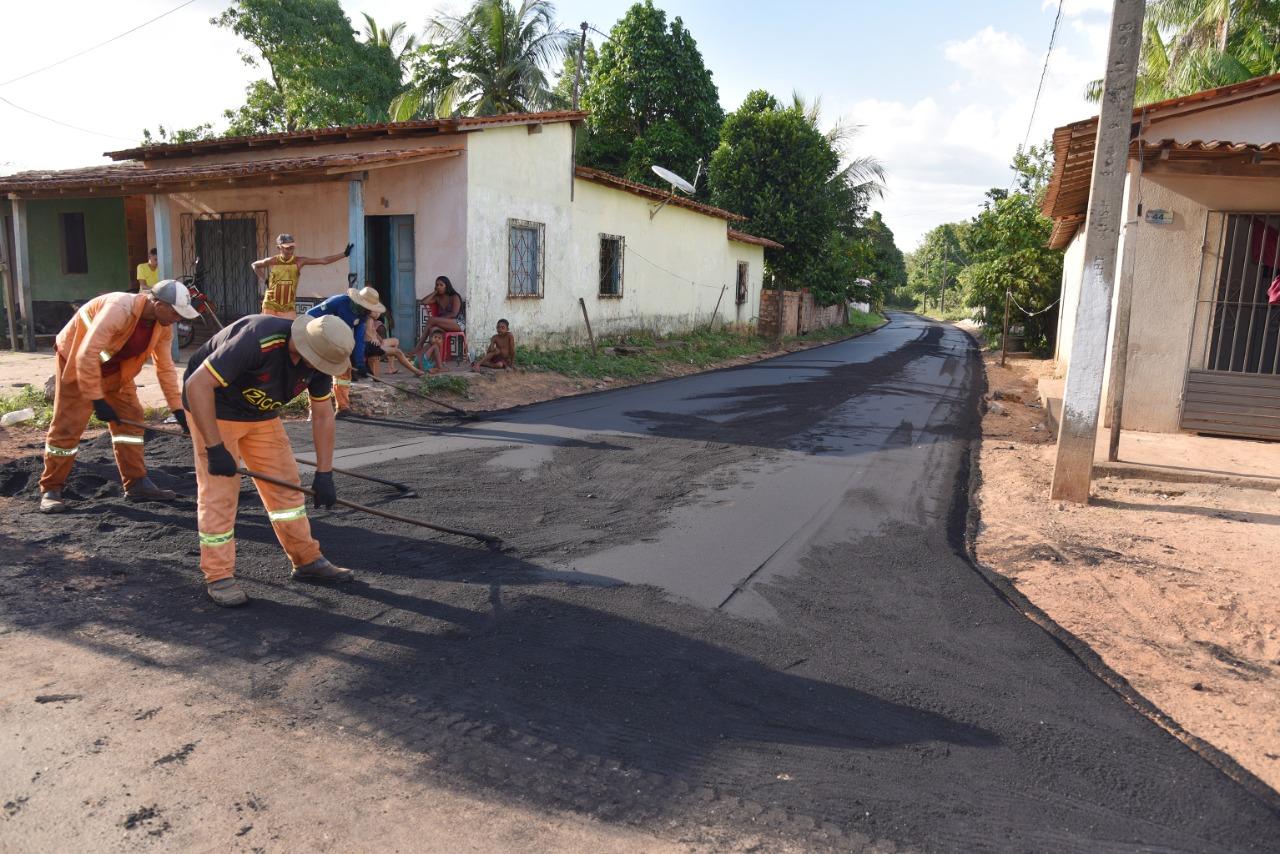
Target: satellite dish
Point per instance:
(676, 182)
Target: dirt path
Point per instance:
(1172, 584)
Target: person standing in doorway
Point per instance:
(281, 273)
(148, 273)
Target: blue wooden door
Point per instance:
(404, 295)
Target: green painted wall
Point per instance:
(104, 239)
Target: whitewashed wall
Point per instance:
(675, 264)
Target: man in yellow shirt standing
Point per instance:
(148, 274)
(281, 273)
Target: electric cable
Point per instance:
(95, 47)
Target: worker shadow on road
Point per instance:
(615, 702)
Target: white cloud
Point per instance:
(943, 152)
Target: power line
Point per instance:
(62, 123)
(93, 48)
(1053, 37)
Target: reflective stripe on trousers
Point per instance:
(288, 514)
(60, 452)
(216, 539)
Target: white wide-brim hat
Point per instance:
(366, 298)
(325, 342)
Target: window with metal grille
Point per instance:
(524, 258)
(611, 252)
(741, 289)
(75, 252)
(1243, 327)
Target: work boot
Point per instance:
(321, 570)
(146, 490)
(51, 502)
(226, 592)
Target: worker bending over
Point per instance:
(99, 353)
(352, 308)
(234, 389)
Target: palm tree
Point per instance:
(389, 38)
(1190, 45)
(860, 180)
(497, 56)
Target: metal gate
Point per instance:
(1233, 374)
(225, 245)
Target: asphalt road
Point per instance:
(733, 605)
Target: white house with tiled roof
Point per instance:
(1199, 250)
(497, 204)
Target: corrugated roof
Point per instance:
(653, 193)
(743, 237)
(122, 178)
(344, 133)
(1067, 197)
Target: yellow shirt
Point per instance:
(282, 286)
(149, 277)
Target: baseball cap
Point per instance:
(174, 293)
(284, 240)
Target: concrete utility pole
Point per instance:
(582, 55)
(1081, 401)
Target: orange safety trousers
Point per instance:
(71, 412)
(260, 446)
(275, 312)
(342, 390)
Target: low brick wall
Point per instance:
(800, 313)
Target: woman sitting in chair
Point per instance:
(448, 312)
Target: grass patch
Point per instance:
(32, 397)
(28, 396)
(645, 356)
(454, 384)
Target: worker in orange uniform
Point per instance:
(234, 388)
(99, 353)
(281, 273)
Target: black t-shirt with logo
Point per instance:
(256, 377)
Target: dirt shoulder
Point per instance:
(171, 762)
(1173, 585)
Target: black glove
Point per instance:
(322, 485)
(180, 415)
(347, 251)
(103, 410)
(221, 462)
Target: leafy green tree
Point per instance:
(1007, 245)
(886, 267)
(1190, 45)
(163, 136)
(652, 100)
(562, 94)
(497, 55)
(318, 74)
(933, 269)
(777, 167)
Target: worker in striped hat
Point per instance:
(99, 353)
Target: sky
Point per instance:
(941, 92)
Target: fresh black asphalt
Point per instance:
(731, 606)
